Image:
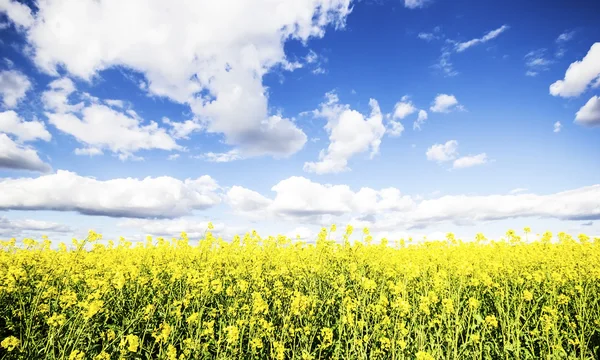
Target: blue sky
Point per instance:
(285, 116)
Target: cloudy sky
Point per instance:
(412, 117)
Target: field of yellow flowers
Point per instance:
(274, 298)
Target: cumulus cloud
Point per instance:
(99, 127)
(13, 87)
(470, 161)
(56, 98)
(159, 197)
(20, 157)
(187, 52)
(301, 232)
(589, 114)
(449, 151)
(462, 46)
(182, 130)
(12, 123)
(14, 227)
(246, 201)
(395, 128)
(350, 133)
(443, 152)
(404, 108)
(18, 13)
(579, 75)
(298, 198)
(445, 103)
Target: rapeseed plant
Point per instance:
(273, 298)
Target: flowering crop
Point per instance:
(274, 298)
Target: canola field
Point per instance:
(274, 298)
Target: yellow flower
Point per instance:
(448, 306)
(193, 318)
(77, 355)
(133, 342)
(527, 295)
(326, 337)
(422, 355)
(102, 356)
(233, 333)
(171, 352)
(57, 320)
(491, 321)
(10, 343)
(473, 303)
(278, 350)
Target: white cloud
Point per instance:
(561, 41)
(403, 108)
(557, 127)
(298, 198)
(88, 151)
(115, 103)
(190, 53)
(15, 227)
(487, 37)
(470, 161)
(231, 155)
(536, 61)
(13, 87)
(18, 13)
(579, 75)
(19, 157)
(182, 130)
(350, 133)
(173, 157)
(445, 64)
(97, 125)
(589, 114)
(123, 197)
(395, 128)
(420, 120)
(301, 232)
(565, 36)
(243, 200)
(12, 123)
(444, 103)
(56, 98)
(443, 152)
(426, 36)
(449, 151)
(317, 61)
(415, 4)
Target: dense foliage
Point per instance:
(256, 297)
